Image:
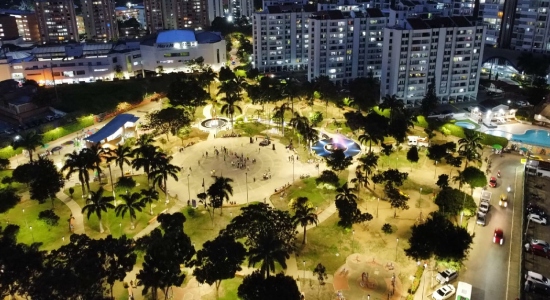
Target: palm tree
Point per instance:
(207, 77)
(220, 190)
(94, 155)
(131, 203)
(144, 156)
(291, 90)
(96, 204)
(28, 141)
(120, 156)
(345, 194)
(392, 103)
(469, 146)
(301, 124)
(77, 163)
(161, 169)
(279, 113)
(368, 162)
(268, 250)
(150, 195)
(304, 214)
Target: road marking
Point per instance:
(511, 233)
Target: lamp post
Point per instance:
(293, 169)
(112, 184)
(304, 262)
(26, 224)
(396, 244)
(420, 202)
(188, 190)
(246, 183)
(377, 204)
(435, 169)
(32, 234)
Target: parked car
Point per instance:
(493, 182)
(498, 236)
(444, 292)
(503, 200)
(484, 207)
(265, 142)
(537, 250)
(537, 219)
(541, 243)
(481, 219)
(535, 209)
(536, 279)
(446, 276)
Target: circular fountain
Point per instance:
(213, 123)
(326, 146)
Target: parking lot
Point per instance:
(537, 192)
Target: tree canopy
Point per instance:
(277, 287)
(452, 202)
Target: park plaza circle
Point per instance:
(213, 123)
(326, 146)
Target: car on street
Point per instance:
(537, 219)
(444, 292)
(481, 219)
(498, 236)
(484, 207)
(446, 276)
(541, 243)
(503, 200)
(537, 250)
(265, 142)
(493, 182)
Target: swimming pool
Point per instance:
(536, 137)
(466, 125)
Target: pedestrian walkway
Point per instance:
(76, 212)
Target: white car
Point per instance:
(444, 292)
(536, 278)
(446, 276)
(537, 219)
(484, 207)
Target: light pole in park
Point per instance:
(32, 234)
(246, 183)
(188, 189)
(396, 245)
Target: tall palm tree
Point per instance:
(220, 190)
(28, 141)
(94, 155)
(291, 90)
(121, 156)
(300, 123)
(161, 170)
(144, 156)
(368, 162)
(98, 203)
(279, 113)
(77, 163)
(469, 146)
(304, 214)
(207, 77)
(267, 251)
(392, 103)
(131, 203)
(345, 194)
(150, 195)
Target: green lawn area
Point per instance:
(228, 290)
(49, 236)
(247, 129)
(19, 187)
(67, 129)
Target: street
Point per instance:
(488, 265)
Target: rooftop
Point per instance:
(175, 36)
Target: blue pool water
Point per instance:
(466, 125)
(536, 137)
(350, 147)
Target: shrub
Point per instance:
(328, 177)
(49, 217)
(191, 212)
(417, 277)
(126, 183)
(4, 163)
(9, 199)
(387, 229)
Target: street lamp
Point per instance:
(26, 224)
(188, 190)
(292, 169)
(120, 228)
(246, 182)
(304, 262)
(32, 234)
(112, 184)
(420, 202)
(396, 244)
(377, 204)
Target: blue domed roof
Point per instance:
(208, 37)
(176, 36)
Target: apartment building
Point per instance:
(179, 14)
(23, 22)
(8, 27)
(56, 20)
(446, 51)
(100, 20)
(490, 14)
(345, 44)
(531, 27)
(281, 38)
(137, 12)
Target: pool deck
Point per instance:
(513, 128)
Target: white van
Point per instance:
(418, 141)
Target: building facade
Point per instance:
(444, 51)
(24, 22)
(345, 44)
(179, 14)
(531, 27)
(8, 27)
(100, 19)
(56, 21)
(491, 13)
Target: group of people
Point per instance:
(282, 188)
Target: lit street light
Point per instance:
(26, 224)
(246, 182)
(32, 234)
(188, 190)
(304, 262)
(396, 244)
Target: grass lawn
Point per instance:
(19, 187)
(228, 290)
(247, 129)
(49, 236)
(327, 243)
(320, 198)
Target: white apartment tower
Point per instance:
(100, 19)
(531, 31)
(56, 20)
(446, 51)
(179, 14)
(345, 44)
(490, 13)
(281, 38)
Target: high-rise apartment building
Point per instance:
(345, 44)
(531, 27)
(444, 51)
(281, 38)
(23, 22)
(99, 19)
(8, 27)
(178, 14)
(490, 14)
(56, 20)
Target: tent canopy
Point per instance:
(110, 128)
